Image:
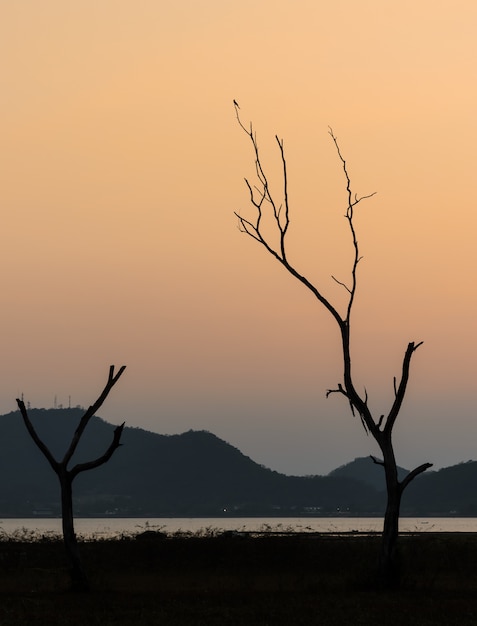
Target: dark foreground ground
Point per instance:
(241, 580)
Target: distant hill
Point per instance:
(191, 474)
(451, 490)
(365, 470)
(198, 474)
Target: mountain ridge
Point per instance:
(196, 474)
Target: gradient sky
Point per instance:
(121, 167)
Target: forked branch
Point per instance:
(400, 391)
(89, 413)
(352, 202)
(116, 442)
(262, 200)
(92, 410)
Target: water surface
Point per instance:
(116, 526)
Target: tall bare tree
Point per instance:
(79, 580)
(273, 237)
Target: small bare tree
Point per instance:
(267, 209)
(79, 580)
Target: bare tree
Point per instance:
(79, 580)
(267, 210)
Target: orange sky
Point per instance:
(122, 164)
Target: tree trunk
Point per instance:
(389, 562)
(79, 581)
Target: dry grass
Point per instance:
(211, 579)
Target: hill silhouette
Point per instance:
(198, 474)
(365, 470)
(449, 491)
(191, 474)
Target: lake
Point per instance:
(115, 526)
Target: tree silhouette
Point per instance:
(277, 218)
(79, 580)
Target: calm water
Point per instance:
(110, 527)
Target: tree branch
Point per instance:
(342, 284)
(112, 380)
(400, 392)
(34, 435)
(352, 202)
(281, 219)
(115, 444)
(412, 475)
(339, 389)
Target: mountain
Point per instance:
(449, 491)
(198, 474)
(191, 474)
(366, 471)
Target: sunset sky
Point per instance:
(122, 165)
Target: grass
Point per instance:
(211, 579)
